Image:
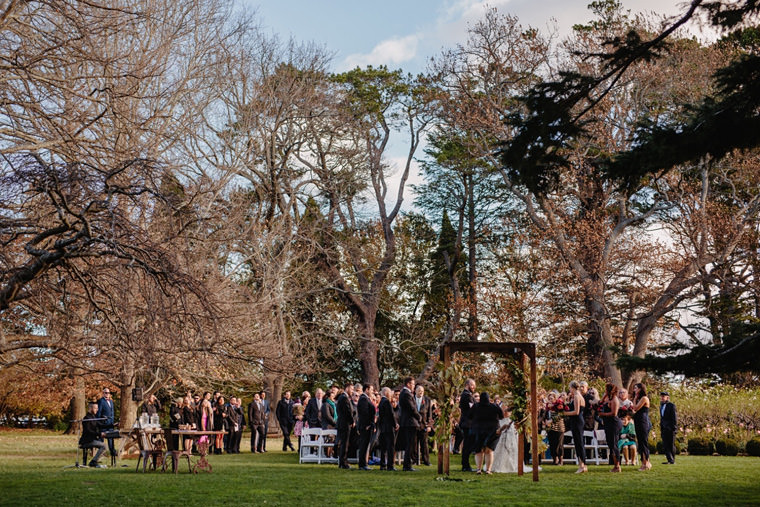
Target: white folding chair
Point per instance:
(310, 445)
(327, 441)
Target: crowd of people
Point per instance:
(386, 422)
(624, 420)
(367, 422)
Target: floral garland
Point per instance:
(519, 391)
(444, 388)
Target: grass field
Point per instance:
(32, 473)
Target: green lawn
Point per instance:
(32, 473)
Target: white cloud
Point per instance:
(388, 52)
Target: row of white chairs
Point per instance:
(315, 442)
(595, 444)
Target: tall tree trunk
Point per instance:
(368, 349)
(472, 260)
(273, 388)
(78, 404)
(127, 407)
(601, 334)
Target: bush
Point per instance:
(727, 447)
(753, 447)
(661, 448)
(700, 446)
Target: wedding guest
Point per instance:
(555, 426)
(175, 419)
(588, 398)
(151, 406)
(612, 424)
(313, 414)
(206, 418)
(456, 431)
(188, 419)
(298, 422)
(574, 412)
(484, 423)
(329, 411)
(365, 410)
(238, 425)
(220, 423)
(329, 419)
(668, 427)
(353, 436)
(196, 406)
(466, 401)
(256, 418)
(267, 411)
(346, 422)
(106, 411)
(625, 403)
(627, 439)
(284, 414)
(421, 451)
(387, 426)
(642, 424)
(408, 421)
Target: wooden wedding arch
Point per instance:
(522, 352)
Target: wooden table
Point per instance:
(195, 436)
(148, 446)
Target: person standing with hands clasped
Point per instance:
(612, 423)
(668, 426)
(574, 413)
(642, 424)
(409, 421)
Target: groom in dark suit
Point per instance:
(668, 427)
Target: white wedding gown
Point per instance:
(505, 454)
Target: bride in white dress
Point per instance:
(505, 454)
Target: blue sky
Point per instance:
(405, 34)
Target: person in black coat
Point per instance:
(409, 421)
(366, 413)
(237, 425)
(484, 419)
(346, 423)
(175, 419)
(313, 413)
(92, 434)
(387, 426)
(284, 414)
(668, 428)
(466, 400)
